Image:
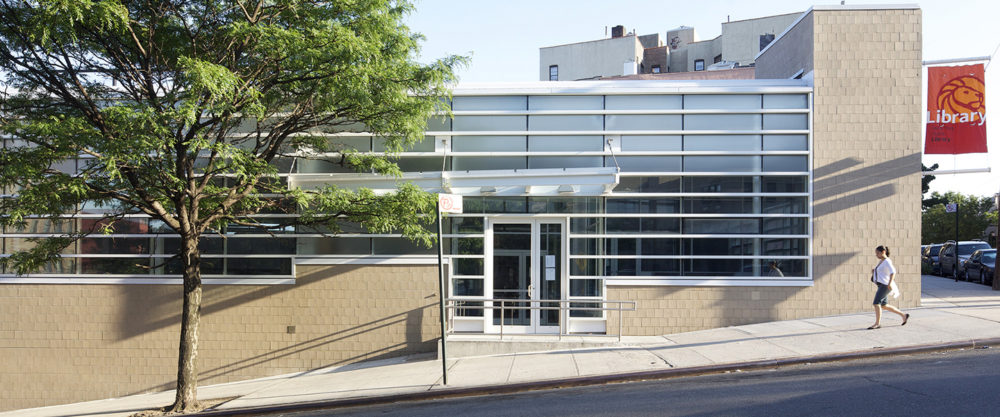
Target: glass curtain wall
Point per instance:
(712, 186)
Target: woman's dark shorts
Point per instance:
(882, 295)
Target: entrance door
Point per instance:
(526, 266)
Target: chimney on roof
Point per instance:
(618, 31)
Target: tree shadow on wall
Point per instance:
(156, 308)
(839, 186)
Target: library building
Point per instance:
(617, 206)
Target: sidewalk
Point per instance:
(953, 315)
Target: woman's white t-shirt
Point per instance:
(883, 271)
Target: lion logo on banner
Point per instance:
(962, 95)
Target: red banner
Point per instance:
(956, 110)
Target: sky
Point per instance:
(502, 40)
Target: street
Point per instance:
(947, 383)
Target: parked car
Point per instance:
(930, 257)
(980, 266)
(953, 254)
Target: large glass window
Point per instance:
(663, 143)
(722, 101)
(480, 103)
(786, 122)
(490, 123)
(643, 102)
(674, 150)
(645, 163)
(722, 143)
(717, 205)
(474, 163)
(786, 101)
(782, 163)
(721, 122)
(565, 123)
(565, 102)
(721, 163)
(658, 184)
(565, 143)
(642, 122)
(718, 184)
(489, 143)
(786, 143)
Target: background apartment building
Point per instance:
(625, 54)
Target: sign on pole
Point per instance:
(447, 203)
(956, 110)
(450, 203)
(951, 207)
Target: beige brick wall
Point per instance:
(71, 343)
(866, 184)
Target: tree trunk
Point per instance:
(187, 371)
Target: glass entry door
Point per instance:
(526, 267)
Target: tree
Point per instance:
(177, 110)
(974, 216)
(925, 183)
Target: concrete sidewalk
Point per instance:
(953, 315)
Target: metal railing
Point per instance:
(565, 307)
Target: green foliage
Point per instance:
(178, 110)
(974, 216)
(925, 186)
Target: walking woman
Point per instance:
(883, 275)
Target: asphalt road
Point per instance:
(963, 383)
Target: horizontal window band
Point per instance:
(684, 236)
(369, 260)
(472, 154)
(702, 195)
(639, 112)
(143, 280)
(709, 282)
(699, 257)
(616, 132)
(476, 236)
(615, 88)
(166, 256)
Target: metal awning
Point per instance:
(513, 182)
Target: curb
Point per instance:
(596, 379)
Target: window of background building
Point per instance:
(765, 40)
(717, 59)
(699, 65)
(553, 73)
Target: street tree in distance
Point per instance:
(974, 216)
(179, 109)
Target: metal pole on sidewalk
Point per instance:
(441, 287)
(954, 268)
(996, 243)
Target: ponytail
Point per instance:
(884, 249)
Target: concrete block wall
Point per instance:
(866, 185)
(72, 343)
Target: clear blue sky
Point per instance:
(502, 37)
